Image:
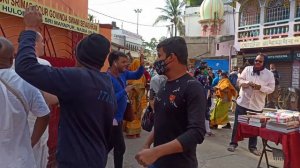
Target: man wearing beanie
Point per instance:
(86, 95)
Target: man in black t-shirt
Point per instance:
(179, 123)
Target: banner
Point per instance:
(273, 57)
(50, 16)
(271, 42)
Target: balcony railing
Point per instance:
(249, 35)
(282, 30)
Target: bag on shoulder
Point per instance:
(129, 115)
(148, 119)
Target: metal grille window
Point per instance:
(298, 9)
(278, 10)
(250, 14)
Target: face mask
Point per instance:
(160, 66)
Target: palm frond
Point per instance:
(161, 18)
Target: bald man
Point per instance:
(17, 99)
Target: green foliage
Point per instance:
(195, 2)
(173, 12)
(150, 47)
(91, 17)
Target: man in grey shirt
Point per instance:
(155, 84)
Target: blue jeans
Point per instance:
(253, 140)
(151, 166)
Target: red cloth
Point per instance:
(290, 141)
(53, 134)
(60, 62)
(147, 76)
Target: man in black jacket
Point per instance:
(86, 95)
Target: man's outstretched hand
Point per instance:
(32, 18)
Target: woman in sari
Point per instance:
(138, 100)
(224, 92)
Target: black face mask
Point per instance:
(160, 66)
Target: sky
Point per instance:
(124, 10)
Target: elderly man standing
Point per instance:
(256, 82)
(17, 100)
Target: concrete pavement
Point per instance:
(212, 153)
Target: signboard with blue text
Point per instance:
(216, 64)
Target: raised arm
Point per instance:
(43, 77)
(134, 75)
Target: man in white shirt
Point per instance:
(255, 82)
(156, 83)
(17, 98)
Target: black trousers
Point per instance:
(118, 144)
(252, 140)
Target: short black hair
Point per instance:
(114, 56)
(176, 45)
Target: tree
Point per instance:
(173, 12)
(150, 47)
(194, 2)
(91, 17)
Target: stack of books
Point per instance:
(287, 127)
(258, 120)
(285, 121)
(243, 119)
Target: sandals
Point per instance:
(231, 148)
(255, 152)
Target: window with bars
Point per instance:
(277, 10)
(250, 14)
(298, 10)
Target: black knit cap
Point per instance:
(92, 51)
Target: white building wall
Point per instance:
(131, 40)
(228, 25)
(194, 29)
(191, 21)
(223, 48)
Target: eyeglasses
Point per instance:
(258, 61)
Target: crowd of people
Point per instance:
(187, 103)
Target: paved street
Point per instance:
(211, 154)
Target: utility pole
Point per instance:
(137, 11)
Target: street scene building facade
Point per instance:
(209, 28)
(271, 27)
(126, 41)
(220, 35)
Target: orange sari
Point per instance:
(224, 93)
(138, 99)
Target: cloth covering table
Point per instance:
(290, 141)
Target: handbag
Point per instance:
(148, 119)
(128, 114)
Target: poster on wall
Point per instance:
(50, 16)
